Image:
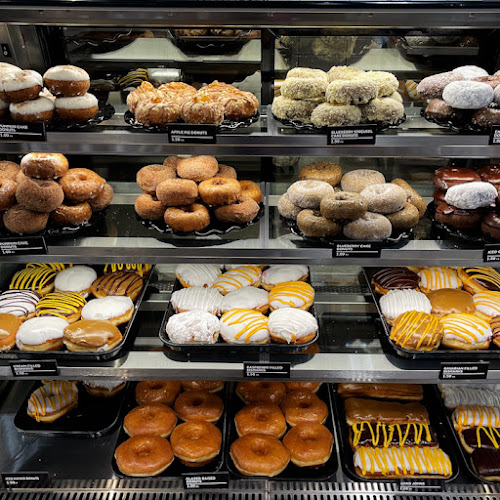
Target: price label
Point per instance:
(464, 370)
(26, 480)
(266, 370)
(23, 132)
(361, 249)
(182, 133)
(421, 484)
(495, 136)
(491, 252)
(39, 368)
(354, 134)
(217, 480)
(23, 246)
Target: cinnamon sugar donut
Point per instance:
(154, 419)
(39, 195)
(199, 406)
(7, 193)
(188, 218)
(309, 444)
(343, 205)
(303, 406)
(369, 227)
(149, 207)
(172, 162)
(9, 170)
(311, 223)
(157, 391)
(242, 211)
(260, 392)
(309, 193)
(198, 168)
(252, 190)
(21, 220)
(202, 109)
(260, 418)
(177, 192)
(219, 191)
(102, 199)
(356, 180)
(227, 172)
(44, 165)
(150, 176)
(71, 215)
(81, 184)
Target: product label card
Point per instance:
(356, 249)
(464, 370)
(43, 368)
(266, 370)
(23, 132)
(421, 484)
(353, 134)
(495, 136)
(491, 252)
(217, 480)
(23, 245)
(26, 480)
(181, 133)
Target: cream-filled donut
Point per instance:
(36, 110)
(117, 309)
(18, 87)
(471, 195)
(487, 304)
(292, 326)
(75, 279)
(193, 327)
(238, 278)
(244, 326)
(248, 297)
(67, 80)
(41, 334)
(21, 303)
(197, 274)
(77, 109)
(465, 332)
(196, 298)
(397, 302)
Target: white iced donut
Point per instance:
(471, 195)
(283, 272)
(244, 326)
(197, 274)
(465, 329)
(238, 278)
(37, 331)
(20, 81)
(397, 302)
(52, 400)
(112, 308)
(470, 72)
(467, 416)
(193, 327)
(292, 326)
(79, 102)
(66, 72)
(487, 303)
(6, 68)
(20, 303)
(309, 193)
(468, 95)
(436, 278)
(248, 297)
(295, 294)
(40, 109)
(197, 298)
(75, 279)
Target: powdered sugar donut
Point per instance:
(193, 327)
(384, 198)
(356, 180)
(248, 297)
(432, 86)
(287, 209)
(197, 298)
(471, 195)
(309, 193)
(469, 72)
(36, 110)
(468, 95)
(397, 302)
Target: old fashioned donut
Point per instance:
(303, 88)
(103, 199)
(432, 86)
(66, 80)
(157, 391)
(219, 191)
(39, 195)
(20, 86)
(81, 184)
(244, 210)
(404, 219)
(412, 196)
(356, 180)
(293, 109)
(287, 209)
(7, 193)
(383, 109)
(142, 456)
(309, 444)
(386, 82)
(384, 198)
(369, 227)
(188, 218)
(260, 392)
(469, 72)
(309, 193)
(203, 385)
(197, 168)
(351, 92)
(343, 205)
(199, 406)
(9, 170)
(259, 455)
(150, 176)
(468, 95)
(227, 172)
(260, 418)
(471, 195)
(39, 110)
(71, 215)
(21, 220)
(149, 207)
(311, 223)
(303, 406)
(335, 115)
(307, 73)
(177, 192)
(322, 171)
(202, 109)
(252, 190)
(154, 419)
(44, 165)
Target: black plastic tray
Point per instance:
(292, 472)
(177, 468)
(437, 423)
(115, 356)
(93, 417)
(462, 125)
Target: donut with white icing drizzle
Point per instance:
(196, 298)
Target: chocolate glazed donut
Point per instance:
(446, 177)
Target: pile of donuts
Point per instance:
(344, 96)
(236, 296)
(432, 307)
(467, 200)
(46, 308)
(195, 442)
(274, 410)
(182, 190)
(176, 101)
(466, 94)
(365, 207)
(28, 97)
(43, 188)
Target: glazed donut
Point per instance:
(203, 385)
(21, 220)
(351, 92)
(88, 335)
(294, 109)
(22, 86)
(468, 95)
(356, 180)
(9, 170)
(260, 392)
(446, 177)
(303, 406)
(149, 207)
(157, 391)
(386, 82)
(77, 109)
(197, 168)
(251, 190)
(404, 219)
(384, 198)
(71, 215)
(188, 218)
(102, 199)
(260, 418)
(196, 443)
(471, 195)
(469, 72)
(81, 184)
(307, 73)
(309, 444)
(7, 193)
(39, 195)
(311, 223)
(142, 456)
(199, 406)
(154, 419)
(309, 193)
(202, 109)
(324, 171)
(302, 386)
(343, 205)
(226, 172)
(335, 115)
(383, 109)
(369, 227)
(244, 210)
(489, 173)
(44, 165)
(303, 88)
(287, 209)
(177, 192)
(219, 191)
(39, 110)
(67, 80)
(259, 455)
(149, 177)
(412, 196)
(432, 86)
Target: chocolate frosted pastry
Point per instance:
(479, 279)
(487, 463)
(121, 283)
(446, 177)
(394, 278)
(439, 110)
(486, 117)
(407, 392)
(457, 218)
(486, 438)
(491, 173)
(490, 225)
(438, 196)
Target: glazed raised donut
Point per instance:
(309, 193)
(302, 386)
(369, 227)
(303, 406)
(343, 205)
(311, 223)
(142, 456)
(309, 444)
(188, 218)
(260, 392)
(149, 207)
(102, 199)
(7, 193)
(405, 218)
(219, 191)
(226, 172)
(356, 180)
(150, 176)
(384, 198)
(239, 105)
(468, 95)
(203, 385)
(81, 184)
(287, 209)
(322, 171)
(21, 220)
(252, 190)
(260, 418)
(9, 170)
(303, 88)
(157, 391)
(198, 168)
(72, 215)
(244, 210)
(44, 165)
(177, 192)
(154, 419)
(199, 406)
(39, 195)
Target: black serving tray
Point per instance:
(93, 417)
(437, 420)
(292, 472)
(177, 468)
(105, 112)
(115, 356)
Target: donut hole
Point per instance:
(262, 416)
(81, 177)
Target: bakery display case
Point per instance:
(287, 213)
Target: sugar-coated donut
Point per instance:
(227, 172)
(244, 210)
(81, 184)
(187, 218)
(172, 161)
(343, 205)
(307, 73)
(486, 117)
(9, 170)
(20, 220)
(470, 72)
(193, 327)
(77, 109)
(321, 171)
(303, 88)
(493, 81)
(384, 198)
(102, 199)
(293, 109)
(351, 92)
(39, 195)
(303, 407)
(41, 334)
(44, 165)
(432, 86)
(386, 82)
(404, 219)
(22, 86)
(312, 224)
(197, 168)
(260, 418)
(219, 191)
(177, 192)
(468, 95)
(310, 444)
(356, 180)
(149, 207)
(344, 73)
(157, 392)
(71, 215)
(260, 392)
(153, 419)
(40, 110)
(199, 406)
(287, 209)
(383, 109)
(369, 227)
(412, 196)
(308, 193)
(252, 190)
(471, 195)
(66, 80)
(7, 193)
(149, 177)
(335, 115)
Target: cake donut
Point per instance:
(238, 278)
(312, 224)
(384, 198)
(149, 207)
(417, 331)
(66, 305)
(294, 294)
(157, 391)
(404, 219)
(81, 184)
(370, 226)
(71, 215)
(395, 278)
(66, 80)
(309, 193)
(244, 326)
(203, 275)
(292, 326)
(479, 279)
(468, 95)
(465, 332)
(41, 110)
(177, 192)
(196, 406)
(7, 193)
(322, 171)
(115, 309)
(248, 297)
(293, 109)
(486, 117)
(9, 325)
(335, 115)
(282, 273)
(343, 206)
(351, 92)
(432, 86)
(412, 196)
(196, 298)
(435, 278)
(119, 283)
(303, 88)
(357, 180)
(344, 73)
(22, 86)
(197, 168)
(457, 395)
(487, 304)
(39, 195)
(153, 419)
(226, 172)
(52, 400)
(397, 302)
(260, 392)
(41, 334)
(471, 195)
(309, 444)
(252, 190)
(91, 335)
(301, 407)
(386, 82)
(9, 170)
(149, 177)
(187, 218)
(77, 109)
(287, 209)
(38, 279)
(383, 109)
(307, 73)
(260, 418)
(21, 303)
(242, 211)
(44, 165)
(219, 191)
(450, 301)
(75, 279)
(193, 327)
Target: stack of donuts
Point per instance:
(467, 200)
(182, 190)
(344, 96)
(465, 95)
(195, 442)
(176, 101)
(62, 92)
(364, 207)
(44, 188)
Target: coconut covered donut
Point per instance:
(287, 209)
(308, 194)
(293, 109)
(369, 227)
(384, 198)
(344, 73)
(303, 88)
(470, 72)
(468, 95)
(386, 82)
(383, 110)
(332, 115)
(432, 86)
(351, 92)
(356, 180)
(307, 73)
(471, 195)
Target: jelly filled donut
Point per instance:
(199, 406)
(23, 86)
(21, 220)
(157, 391)
(260, 418)
(187, 218)
(153, 419)
(77, 109)
(44, 165)
(149, 177)
(302, 386)
(117, 310)
(71, 215)
(177, 192)
(41, 334)
(260, 392)
(81, 184)
(39, 195)
(468, 95)
(40, 110)
(66, 80)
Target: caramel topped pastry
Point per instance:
(407, 392)
(121, 283)
(66, 305)
(39, 279)
(91, 335)
(394, 278)
(468, 416)
(417, 331)
(140, 269)
(385, 435)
